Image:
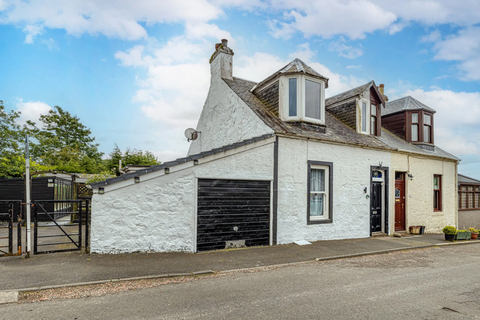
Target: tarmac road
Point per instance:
(433, 283)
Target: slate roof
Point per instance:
(336, 130)
(296, 66)
(395, 142)
(467, 180)
(355, 92)
(403, 104)
(178, 161)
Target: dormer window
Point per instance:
(303, 99)
(421, 127)
(373, 119)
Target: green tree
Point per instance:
(65, 143)
(129, 157)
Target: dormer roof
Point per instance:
(405, 104)
(355, 92)
(296, 66)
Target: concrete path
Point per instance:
(61, 269)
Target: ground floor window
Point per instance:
(437, 192)
(319, 192)
(469, 197)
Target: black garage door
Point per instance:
(232, 213)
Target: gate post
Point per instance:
(10, 228)
(35, 230)
(87, 220)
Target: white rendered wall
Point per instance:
(159, 214)
(419, 192)
(351, 174)
(225, 118)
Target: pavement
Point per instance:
(20, 274)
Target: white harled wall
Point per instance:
(159, 213)
(225, 118)
(351, 174)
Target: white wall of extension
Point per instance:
(159, 213)
(351, 174)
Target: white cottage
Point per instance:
(274, 163)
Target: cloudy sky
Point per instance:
(137, 72)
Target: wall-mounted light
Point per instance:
(195, 162)
(380, 164)
(136, 179)
(167, 170)
(365, 190)
(410, 176)
(101, 190)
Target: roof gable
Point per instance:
(354, 93)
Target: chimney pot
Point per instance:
(382, 88)
(225, 42)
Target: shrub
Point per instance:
(473, 230)
(449, 230)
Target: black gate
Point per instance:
(10, 227)
(60, 225)
(232, 213)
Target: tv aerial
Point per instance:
(191, 134)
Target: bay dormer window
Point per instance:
(420, 127)
(303, 99)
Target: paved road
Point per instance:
(434, 283)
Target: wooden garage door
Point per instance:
(232, 213)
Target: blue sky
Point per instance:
(137, 74)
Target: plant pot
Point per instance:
(416, 230)
(463, 235)
(449, 237)
(474, 236)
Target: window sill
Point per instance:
(322, 221)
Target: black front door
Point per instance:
(376, 206)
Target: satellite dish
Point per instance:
(191, 134)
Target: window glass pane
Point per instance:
(364, 116)
(414, 132)
(373, 109)
(436, 183)
(317, 204)
(477, 200)
(463, 200)
(292, 97)
(317, 180)
(414, 117)
(470, 188)
(470, 200)
(373, 125)
(427, 119)
(312, 99)
(426, 134)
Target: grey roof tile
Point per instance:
(404, 104)
(467, 180)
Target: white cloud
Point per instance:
(464, 48)
(433, 36)
(344, 50)
(31, 110)
(32, 31)
(329, 18)
(119, 18)
(456, 120)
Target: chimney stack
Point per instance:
(381, 88)
(221, 61)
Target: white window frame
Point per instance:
(364, 116)
(284, 99)
(327, 206)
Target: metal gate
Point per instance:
(232, 213)
(60, 225)
(10, 227)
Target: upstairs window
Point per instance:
(364, 116)
(373, 119)
(427, 128)
(414, 126)
(304, 99)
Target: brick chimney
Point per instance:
(221, 61)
